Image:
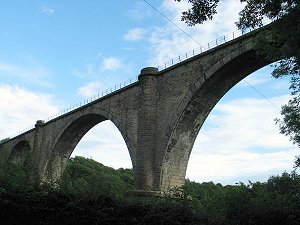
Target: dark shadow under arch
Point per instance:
(19, 152)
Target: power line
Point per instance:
(200, 45)
(172, 22)
(261, 94)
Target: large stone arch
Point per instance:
(19, 152)
(71, 135)
(196, 106)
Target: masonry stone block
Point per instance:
(159, 117)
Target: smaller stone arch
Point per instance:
(68, 139)
(20, 152)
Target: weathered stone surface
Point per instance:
(159, 116)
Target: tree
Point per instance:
(87, 178)
(281, 41)
(4, 140)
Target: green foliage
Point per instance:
(18, 177)
(276, 201)
(4, 153)
(290, 124)
(255, 11)
(87, 178)
(251, 16)
(91, 193)
(200, 11)
(4, 140)
(283, 42)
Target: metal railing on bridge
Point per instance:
(82, 103)
(203, 48)
(172, 62)
(102, 94)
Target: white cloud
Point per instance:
(255, 81)
(168, 42)
(90, 89)
(45, 9)
(259, 78)
(33, 72)
(140, 11)
(257, 117)
(242, 142)
(281, 84)
(111, 63)
(239, 167)
(103, 68)
(22, 108)
(135, 34)
(90, 70)
(104, 143)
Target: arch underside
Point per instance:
(67, 142)
(200, 104)
(19, 152)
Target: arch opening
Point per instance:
(199, 105)
(20, 152)
(71, 137)
(239, 140)
(105, 144)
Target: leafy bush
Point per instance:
(276, 201)
(86, 178)
(91, 193)
(18, 177)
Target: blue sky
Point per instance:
(54, 54)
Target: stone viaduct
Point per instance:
(159, 116)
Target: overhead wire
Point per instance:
(200, 45)
(172, 22)
(261, 94)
